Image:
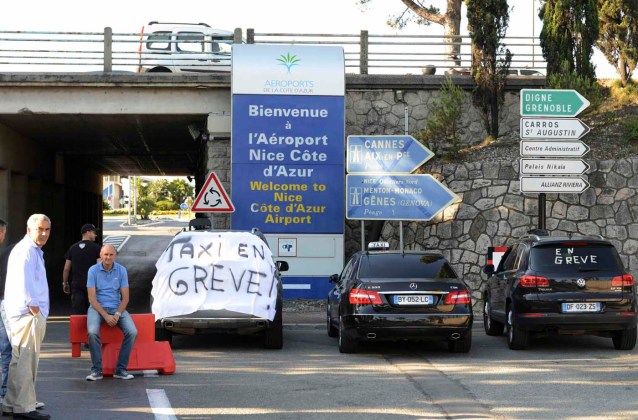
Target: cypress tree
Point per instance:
(570, 31)
(488, 21)
(618, 38)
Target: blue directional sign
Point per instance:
(183, 206)
(395, 197)
(385, 154)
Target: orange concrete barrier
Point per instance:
(147, 354)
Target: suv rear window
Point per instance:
(569, 258)
(396, 266)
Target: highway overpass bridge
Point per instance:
(60, 133)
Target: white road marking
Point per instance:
(117, 241)
(160, 404)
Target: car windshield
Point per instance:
(574, 258)
(405, 266)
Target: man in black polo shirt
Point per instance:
(79, 258)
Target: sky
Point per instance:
(282, 16)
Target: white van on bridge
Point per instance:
(167, 47)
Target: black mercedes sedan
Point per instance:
(399, 295)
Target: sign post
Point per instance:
(552, 102)
(385, 154)
(380, 184)
(396, 197)
(212, 197)
(547, 133)
(543, 128)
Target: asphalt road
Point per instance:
(234, 378)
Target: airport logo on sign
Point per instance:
(289, 61)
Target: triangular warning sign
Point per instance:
(212, 197)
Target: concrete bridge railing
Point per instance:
(365, 53)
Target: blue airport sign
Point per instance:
(395, 197)
(385, 154)
(288, 164)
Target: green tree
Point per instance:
(145, 206)
(158, 189)
(570, 30)
(441, 124)
(179, 190)
(416, 11)
(488, 21)
(618, 38)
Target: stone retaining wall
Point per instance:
(382, 112)
(494, 213)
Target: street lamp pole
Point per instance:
(134, 201)
(128, 202)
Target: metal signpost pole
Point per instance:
(541, 211)
(363, 235)
(405, 110)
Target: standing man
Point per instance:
(108, 289)
(27, 308)
(5, 344)
(79, 258)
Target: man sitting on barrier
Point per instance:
(108, 289)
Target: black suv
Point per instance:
(566, 285)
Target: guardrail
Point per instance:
(365, 53)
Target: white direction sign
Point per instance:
(553, 166)
(212, 197)
(552, 128)
(553, 184)
(539, 148)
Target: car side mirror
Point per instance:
(334, 278)
(282, 266)
(488, 269)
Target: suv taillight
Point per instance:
(459, 297)
(624, 280)
(533, 281)
(364, 297)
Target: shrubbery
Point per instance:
(166, 205)
(441, 126)
(587, 87)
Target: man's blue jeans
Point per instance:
(125, 323)
(5, 354)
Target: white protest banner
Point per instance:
(215, 270)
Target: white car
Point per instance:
(184, 47)
(216, 281)
(525, 72)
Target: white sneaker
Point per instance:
(39, 405)
(123, 375)
(94, 376)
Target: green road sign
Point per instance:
(552, 102)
